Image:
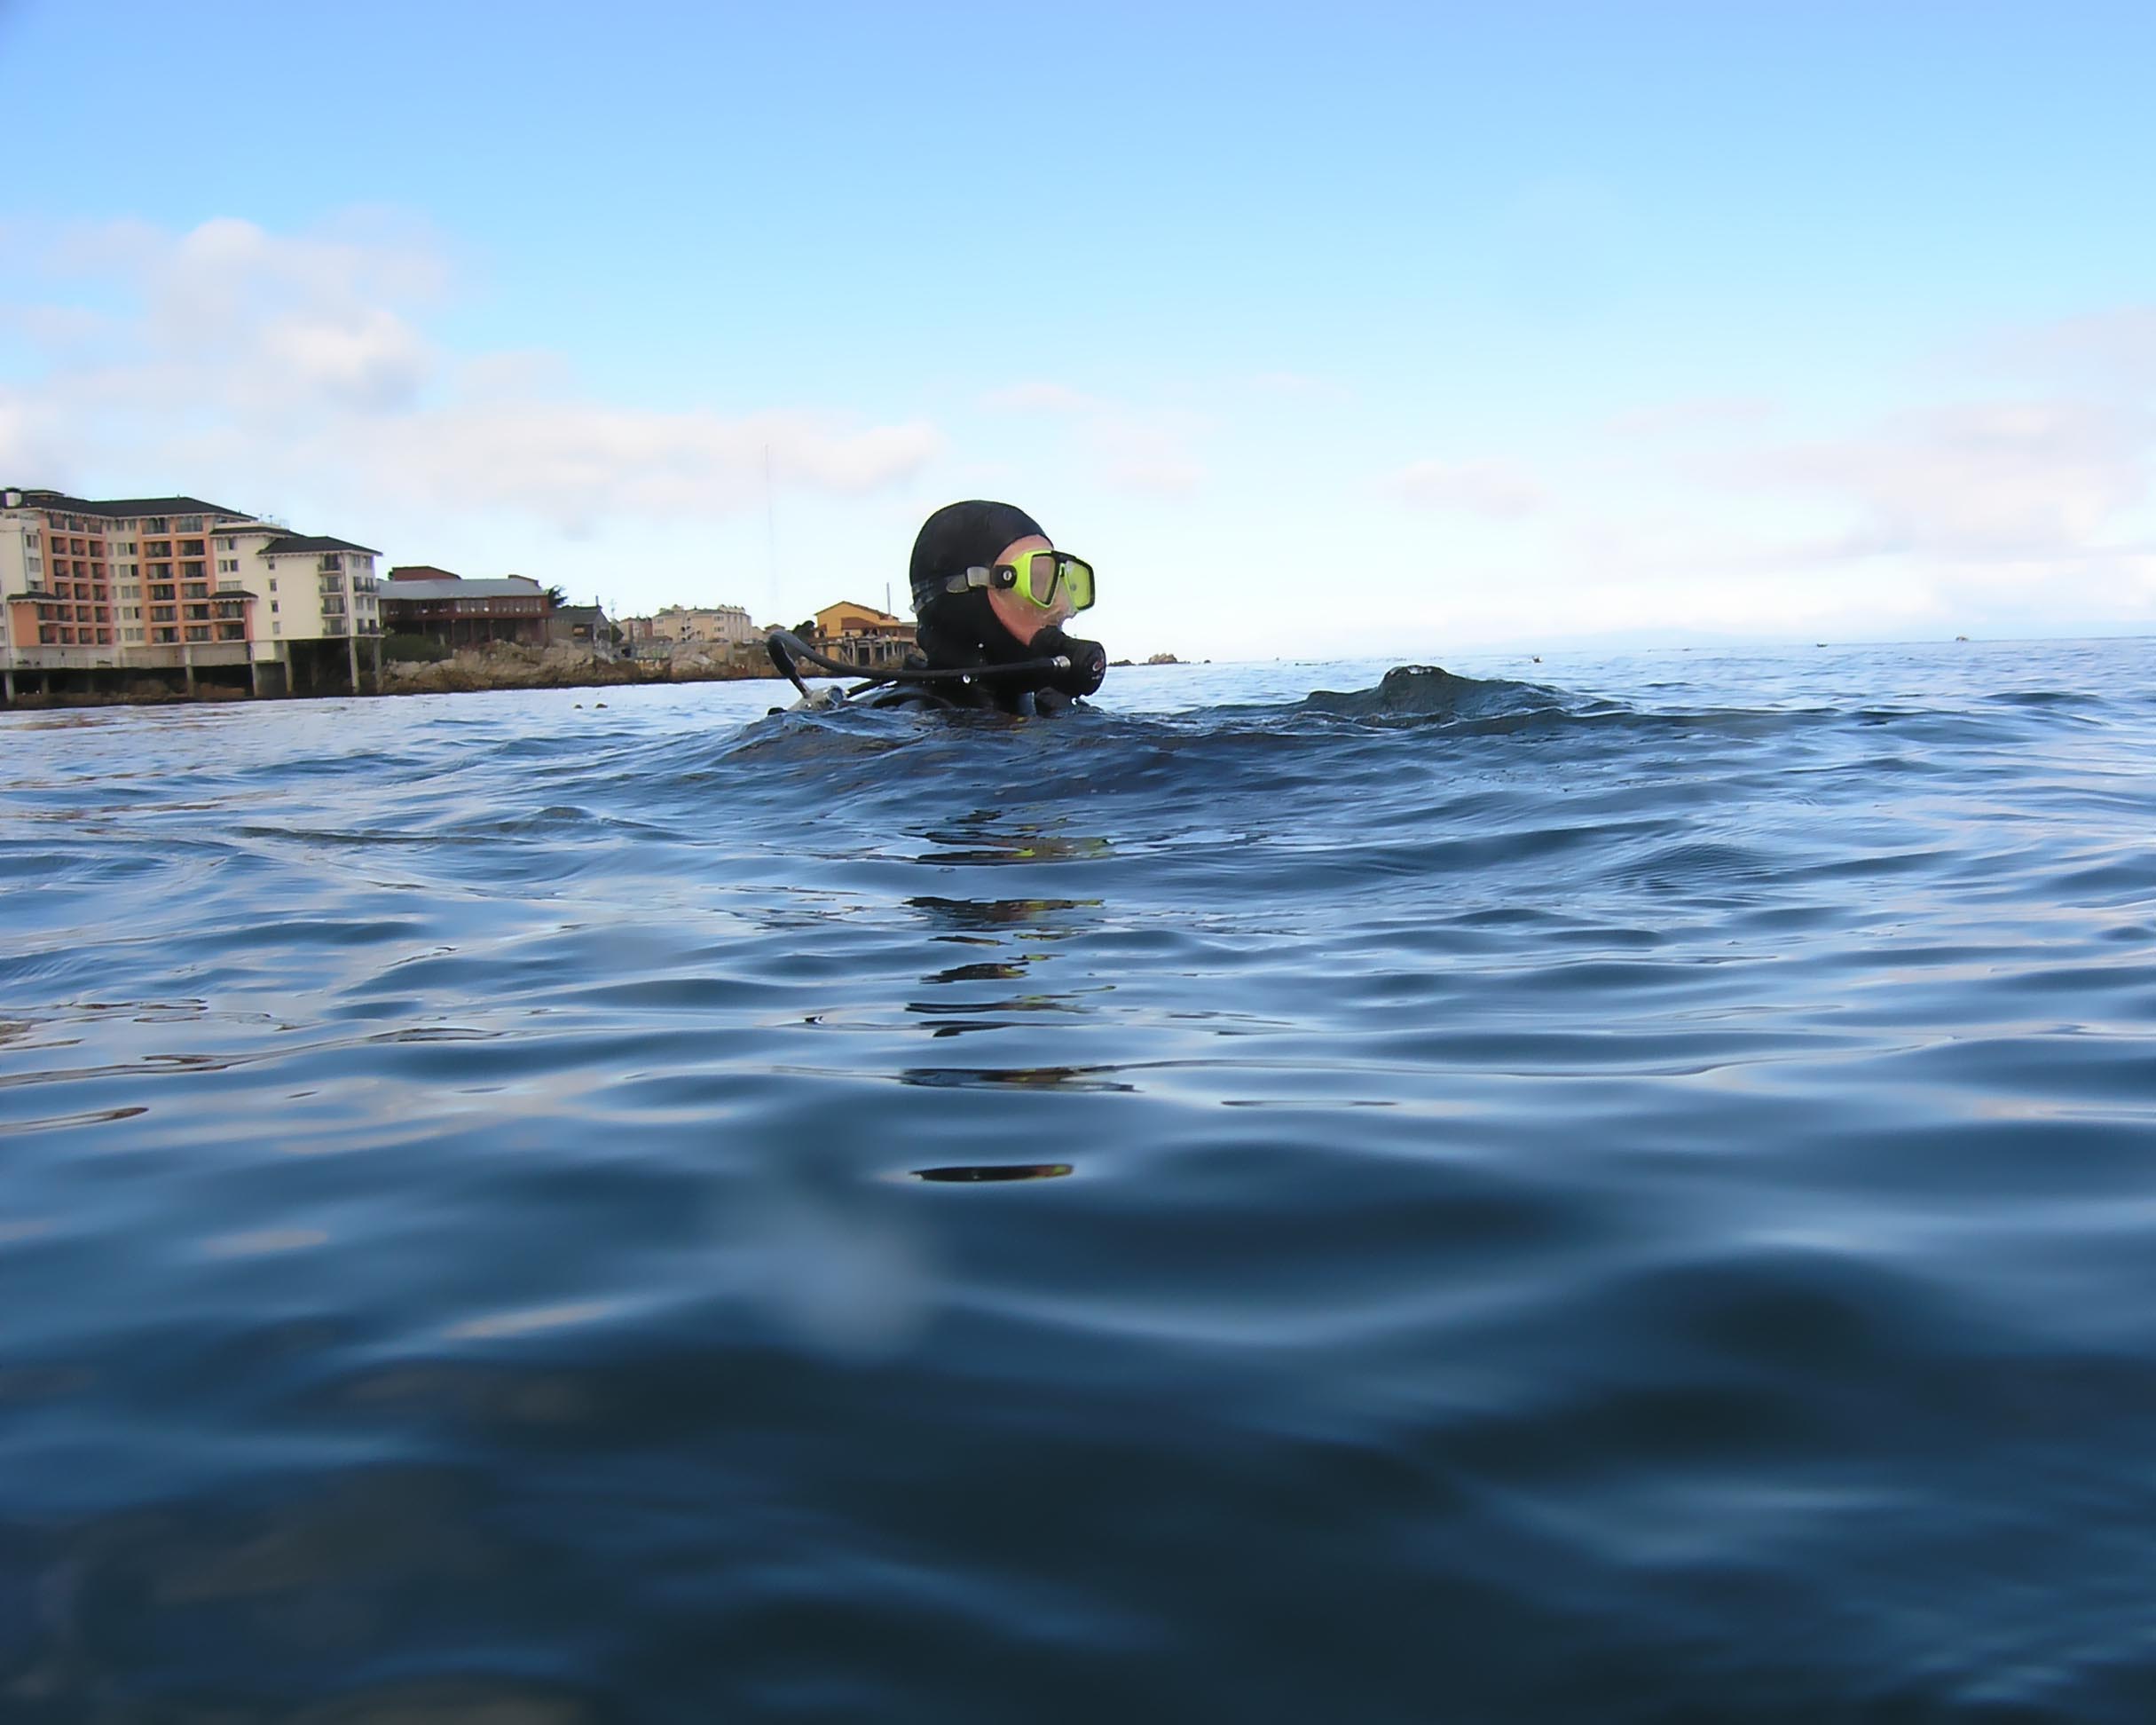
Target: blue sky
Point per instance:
(1321, 329)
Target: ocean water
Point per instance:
(1612, 1189)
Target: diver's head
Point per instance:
(990, 589)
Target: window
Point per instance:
(277, 628)
(272, 584)
(198, 632)
(228, 545)
(272, 608)
(131, 635)
(228, 566)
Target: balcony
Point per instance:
(331, 559)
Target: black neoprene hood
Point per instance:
(959, 537)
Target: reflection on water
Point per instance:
(995, 1171)
(1620, 1196)
(1044, 922)
(1092, 1078)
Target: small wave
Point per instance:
(1430, 691)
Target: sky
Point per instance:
(1319, 329)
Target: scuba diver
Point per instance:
(990, 596)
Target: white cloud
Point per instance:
(1142, 451)
(249, 360)
(1994, 482)
(570, 464)
(1484, 488)
(1054, 399)
(1695, 416)
(2016, 512)
(2103, 353)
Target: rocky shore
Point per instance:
(502, 664)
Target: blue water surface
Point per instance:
(1612, 1190)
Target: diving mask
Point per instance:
(1036, 577)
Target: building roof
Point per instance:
(508, 586)
(123, 507)
(580, 613)
(296, 542)
(855, 604)
(428, 572)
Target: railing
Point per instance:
(58, 658)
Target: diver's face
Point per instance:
(1020, 617)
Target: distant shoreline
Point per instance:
(460, 674)
(463, 673)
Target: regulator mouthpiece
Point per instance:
(1088, 662)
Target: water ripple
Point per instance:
(1624, 1192)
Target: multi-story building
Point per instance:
(421, 600)
(726, 623)
(171, 583)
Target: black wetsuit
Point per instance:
(953, 696)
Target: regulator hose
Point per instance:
(785, 646)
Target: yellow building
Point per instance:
(863, 635)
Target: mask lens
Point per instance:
(1078, 582)
(1039, 578)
